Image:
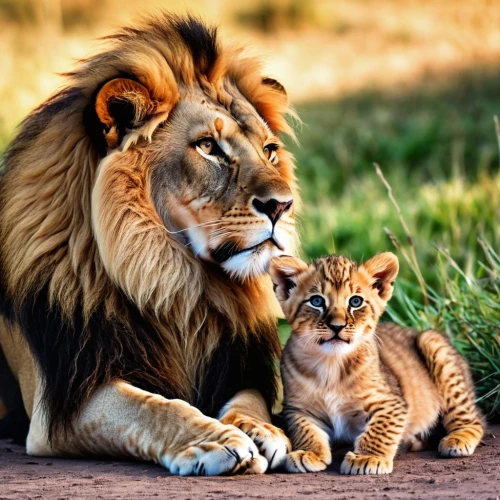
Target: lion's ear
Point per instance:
(274, 84)
(123, 105)
(271, 102)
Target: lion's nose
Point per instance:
(272, 208)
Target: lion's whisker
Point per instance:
(209, 240)
(202, 224)
(220, 229)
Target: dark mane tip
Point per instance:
(200, 39)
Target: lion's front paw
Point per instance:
(227, 452)
(355, 463)
(271, 441)
(304, 461)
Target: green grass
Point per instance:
(438, 150)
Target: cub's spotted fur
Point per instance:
(348, 379)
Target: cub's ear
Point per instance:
(123, 105)
(284, 272)
(383, 269)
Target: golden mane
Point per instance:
(150, 306)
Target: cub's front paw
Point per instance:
(271, 441)
(355, 463)
(457, 444)
(304, 461)
(224, 450)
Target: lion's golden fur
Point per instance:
(48, 240)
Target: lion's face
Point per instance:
(217, 186)
(193, 145)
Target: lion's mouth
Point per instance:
(229, 249)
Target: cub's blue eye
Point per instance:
(355, 301)
(317, 301)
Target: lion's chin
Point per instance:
(252, 262)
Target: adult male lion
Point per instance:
(140, 207)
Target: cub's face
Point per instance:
(333, 305)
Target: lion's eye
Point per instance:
(317, 301)
(207, 145)
(270, 152)
(355, 301)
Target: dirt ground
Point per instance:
(420, 475)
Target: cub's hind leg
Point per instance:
(461, 418)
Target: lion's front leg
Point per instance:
(122, 421)
(248, 411)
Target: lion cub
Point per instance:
(348, 379)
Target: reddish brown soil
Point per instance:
(420, 475)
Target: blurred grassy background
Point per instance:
(412, 85)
